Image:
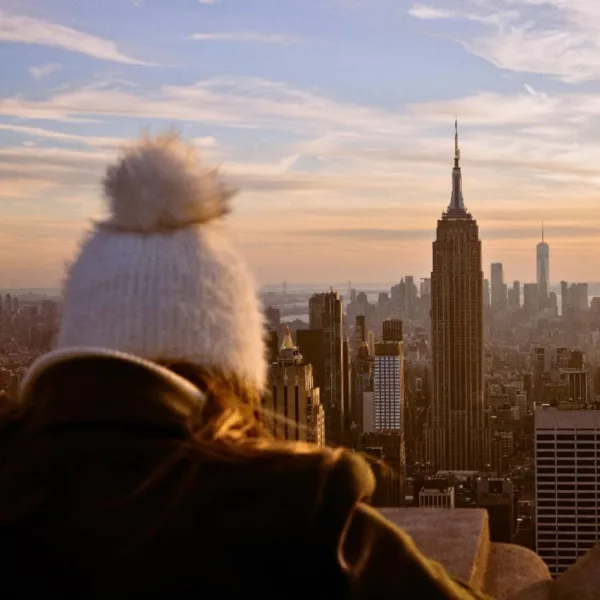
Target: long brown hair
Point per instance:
(230, 427)
(234, 423)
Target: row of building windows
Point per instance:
(583, 461)
(549, 474)
(571, 455)
(573, 546)
(561, 469)
(566, 445)
(562, 529)
(545, 446)
(562, 498)
(551, 510)
(571, 537)
(565, 519)
(285, 426)
(587, 491)
(568, 436)
(549, 448)
(560, 512)
(553, 475)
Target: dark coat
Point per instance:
(103, 495)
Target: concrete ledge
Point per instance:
(459, 540)
(582, 580)
(511, 569)
(538, 591)
(579, 582)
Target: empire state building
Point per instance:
(457, 438)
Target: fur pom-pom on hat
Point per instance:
(156, 280)
(159, 183)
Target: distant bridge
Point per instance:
(290, 311)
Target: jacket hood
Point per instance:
(98, 384)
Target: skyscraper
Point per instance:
(392, 330)
(457, 437)
(294, 397)
(542, 261)
(517, 293)
(388, 399)
(564, 296)
(531, 298)
(388, 416)
(498, 287)
(346, 388)
(486, 293)
(582, 296)
(360, 331)
(567, 488)
(362, 382)
(272, 345)
(411, 295)
(496, 495)
(327, 316)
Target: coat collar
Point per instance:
(97, 385)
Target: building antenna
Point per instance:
(542, 232)
(456, 148)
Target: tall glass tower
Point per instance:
(542, 261)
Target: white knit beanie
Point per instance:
(159, 279)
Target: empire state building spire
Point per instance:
(456, 148)
(457, 204)
(457, 437)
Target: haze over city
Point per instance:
(334, 118)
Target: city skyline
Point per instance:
(335, 120)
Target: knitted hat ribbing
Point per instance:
(159, 278)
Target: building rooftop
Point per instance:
(502, 571)
(288, 342)
(547, 417)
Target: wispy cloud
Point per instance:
(330, 129)
(208, 1)
(44, 70)
(324, 174)
(248, 37)
(91, 141)
(367, 173)
(422, 11)
(558, 38)
(347, 137)
(246, 102)
(30, 30)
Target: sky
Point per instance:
(333, 118)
